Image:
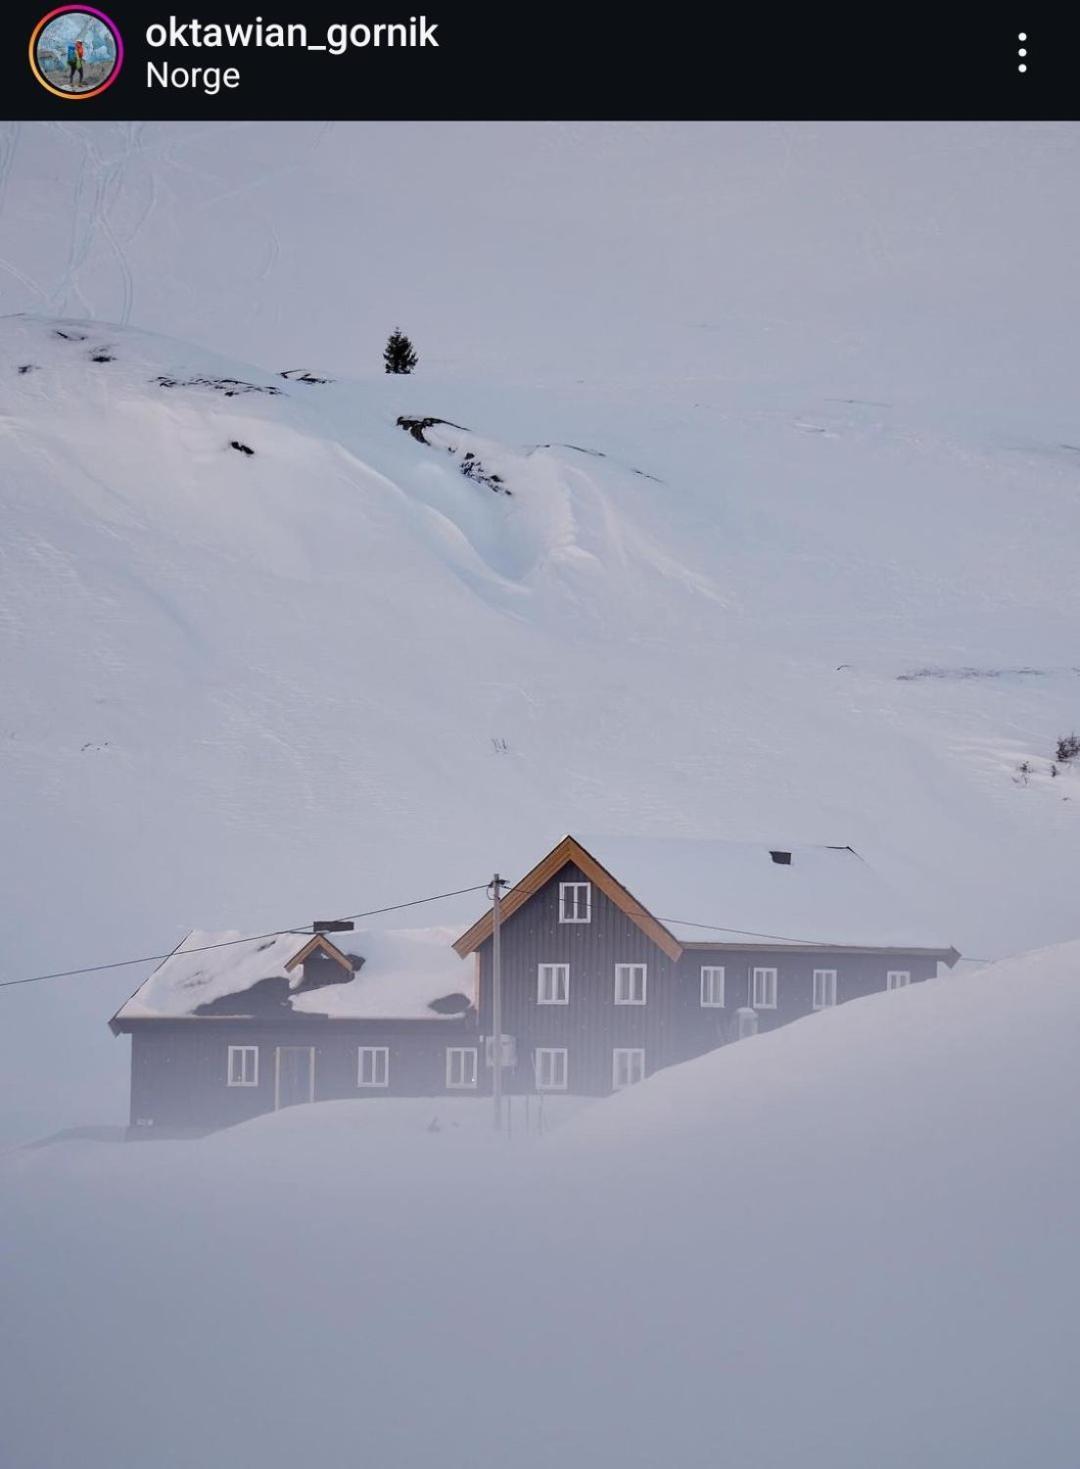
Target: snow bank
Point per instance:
(849, 1242)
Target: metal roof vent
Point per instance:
(782, 859)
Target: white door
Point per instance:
(294, 1075)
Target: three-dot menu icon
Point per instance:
(1022, 53)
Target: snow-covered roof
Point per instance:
(823, 895)
(403, 972)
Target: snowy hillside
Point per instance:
(369, 661)
(737, 498)
(849, 1242)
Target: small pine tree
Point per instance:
(1068, 747)
(399, 354)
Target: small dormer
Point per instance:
(321, 963)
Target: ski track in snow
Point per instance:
(273, 250)
(99, 187)
(10, 133)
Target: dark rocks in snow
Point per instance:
(471, 467)
(70, 336)
(300, 375)
(230, 386)
(25, 367)
(968, 673)
(240, 448)
(418, 426)
(102, 356)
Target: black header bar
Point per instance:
(556, 61)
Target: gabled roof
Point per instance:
(570, 850)
(330, 949)
(683, 891)
(403, 972)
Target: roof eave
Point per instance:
(570, 850)
(125, 1025)
(945, 956)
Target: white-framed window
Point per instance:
(764, 989)
(461, 1068)
(373, 1066)
(243, 1067)
(824, 989)
(897, 979)
(550, 1065)
(553, 984)
(630, 981)
(575, 902)
(509, 1050)
(627, 1067)
(712, 986)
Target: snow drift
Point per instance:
(848, 1242)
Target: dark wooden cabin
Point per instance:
(613, 967)
(599, 992)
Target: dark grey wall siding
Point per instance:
(673, 1025)
(179, 1075)
(856, 975)
(591, 1025)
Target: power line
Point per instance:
(434, 898)
(229, 943)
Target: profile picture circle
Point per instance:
(76, 52)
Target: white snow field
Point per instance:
(850, 1242)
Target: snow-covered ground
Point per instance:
(786, 416)
(850, 1242)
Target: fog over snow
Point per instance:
(847, 1242)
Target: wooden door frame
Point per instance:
(277, 1072)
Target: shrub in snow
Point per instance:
(1068, 747)
(399, 354)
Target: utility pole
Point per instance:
(496, 1000)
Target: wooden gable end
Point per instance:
(319, 942)
(569, 851)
